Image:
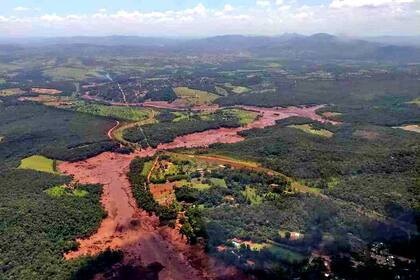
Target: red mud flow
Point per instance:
(138, 234)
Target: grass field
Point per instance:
(117, 112)
(309, 129)
(69, 73)
(59, 191)
(180, 116)
(11, 91)
(195, 97)
(197, 184)
(165, 169)
(237, 89)
(194, 183)
(38, 163)
(146, 168)
(278, 250)
(245, 117)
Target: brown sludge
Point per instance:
(137, 233)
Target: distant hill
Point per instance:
(413, 41)
(320, 46)
(317, 46)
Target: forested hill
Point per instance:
(317, 46)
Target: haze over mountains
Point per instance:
(317, 46)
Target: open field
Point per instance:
(126, 113)
(69, 73)
(11, 91)
(118, 112)
(194, 97)
(237, 89)
(147, 168)
(63, 190)
(45, 91)
(309, 129)
(245, 117)
(38, 163)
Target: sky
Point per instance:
(201, 18)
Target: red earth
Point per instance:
(137, 233)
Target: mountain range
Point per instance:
(292, 46)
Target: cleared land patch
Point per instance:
(194, 97)
(309, 129)
(244, 117)
(38, 163)
(118, 112)
(46, 91)
(412, 128)
(59, 191)
(69, 73)
(240, 89)
(278, 250)
(11, 91)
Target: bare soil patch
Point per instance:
(412, 128)
(46, 91)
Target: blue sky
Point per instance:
(90, 6)
(22, 18)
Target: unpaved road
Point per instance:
(135, 232)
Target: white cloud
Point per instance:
(263, 3)
(269, 17)
(228, 8)
(51, 18)
(4, 19)
(21, 9)
(197, 10)
(366, 3)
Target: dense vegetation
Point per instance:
(355, 193)
(39, 224)
(154, 134)
(37, 228)
(142, 194)
(30, 128)
(355, 155)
